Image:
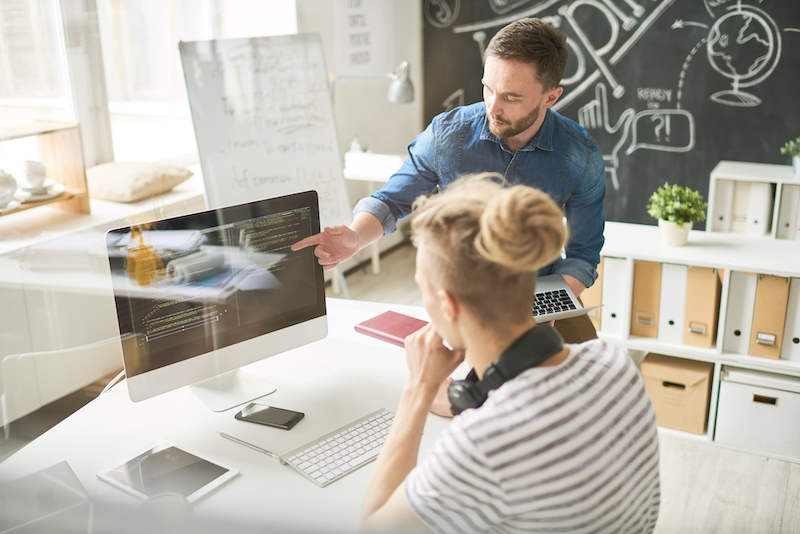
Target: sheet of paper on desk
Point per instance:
(79, 251)
(39, 500)
(391, 326)
(367, 165)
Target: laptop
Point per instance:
(554, 300)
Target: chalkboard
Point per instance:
(668, 88)
(263, 121)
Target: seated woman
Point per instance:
(550, 437)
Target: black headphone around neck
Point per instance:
(472, 393)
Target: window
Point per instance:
(32, 68)
(150, 119)
(31, 61)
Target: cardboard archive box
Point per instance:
(758, 411)
(679, 390)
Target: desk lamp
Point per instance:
(401, 91)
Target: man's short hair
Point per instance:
(536, 42)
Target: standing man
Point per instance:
(512, 132)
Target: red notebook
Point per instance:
(391, 326)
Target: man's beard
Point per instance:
(506, 130)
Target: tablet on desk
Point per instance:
(164, 468)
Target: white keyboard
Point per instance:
(329, 458)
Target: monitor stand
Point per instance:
(230, 389)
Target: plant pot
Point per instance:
(672, 234)
(796, 165)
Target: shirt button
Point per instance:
(512, 168)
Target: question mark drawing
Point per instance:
(660, 126)
(685, 134)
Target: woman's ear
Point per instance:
(448, 304)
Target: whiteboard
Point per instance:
(263, 121)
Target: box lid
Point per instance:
(760, 378)
(677, 370)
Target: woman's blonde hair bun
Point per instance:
(489, 242)
(521, 229)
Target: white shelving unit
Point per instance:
(771, 193)
(727, 252)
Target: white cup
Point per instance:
(34, 173)
(7, 183)
(6, 196)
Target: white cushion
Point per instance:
(128, 182)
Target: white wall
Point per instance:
(360, 106)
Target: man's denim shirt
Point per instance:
(561, 160)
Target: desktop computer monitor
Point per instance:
(200, 295)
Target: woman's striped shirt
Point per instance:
(571, 448)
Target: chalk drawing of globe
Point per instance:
(745, 46)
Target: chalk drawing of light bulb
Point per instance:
(745, 46)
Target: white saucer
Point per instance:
(41, 190)
(10, 206)
(53, 192)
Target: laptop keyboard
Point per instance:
(329, 458)
(551, 302)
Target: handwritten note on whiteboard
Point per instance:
(263, 121)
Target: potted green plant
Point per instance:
(676, 207)
(792, 148)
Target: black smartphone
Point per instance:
(269, 415)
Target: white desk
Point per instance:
(371, 168)
(333, 381)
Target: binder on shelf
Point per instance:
(769, 316)
(759, 209)
(593, 296)
(791, 332)
(720, 219)
(797, 216)
(614, 282)
(672, 303)
(740, 206)
(646, 297)
(739, 318)
(788, 212)
(702, 307)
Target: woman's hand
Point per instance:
(429, 361)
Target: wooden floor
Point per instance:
(705, 488)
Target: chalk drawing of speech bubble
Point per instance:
(667, 130)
